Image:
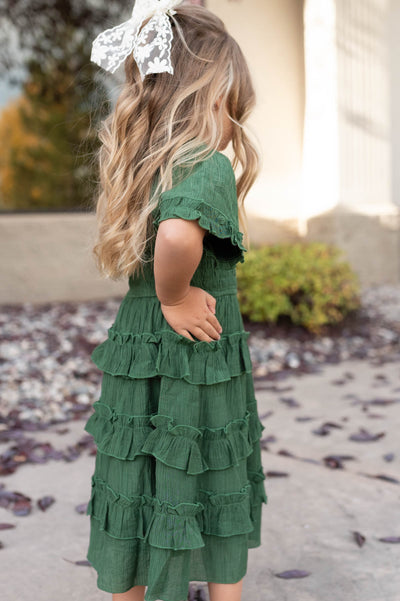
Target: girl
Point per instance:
(178, 484)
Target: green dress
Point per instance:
(178, 483)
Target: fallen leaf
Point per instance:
(6, 526)
(22, 508)
(293, 574)
(383, 401)
(286, 453)
(336, 461)
(364, 436)
(359, 538)
(389, 457)
(385, 478)
(290, 402)
(325, 428)
(265, 415)
(45, 502)
(81, 508)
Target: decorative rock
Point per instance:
(292, 360)
(46, 371)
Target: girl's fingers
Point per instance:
(214, 322)
(185, 333)
(211, 302)
(201, 335)
(208, 330)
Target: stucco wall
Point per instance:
(47, 257)
(271, 37)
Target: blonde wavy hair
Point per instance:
(166, 121)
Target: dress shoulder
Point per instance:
(208, 194)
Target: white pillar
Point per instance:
(347, 141)
(394, 42)
(321, 123)
(364, 106)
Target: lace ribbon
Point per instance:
(151, 46)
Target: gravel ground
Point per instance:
(47, 376)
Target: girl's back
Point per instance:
(178, 484)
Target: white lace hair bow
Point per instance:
(151, 47)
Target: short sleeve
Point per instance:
(208, 194)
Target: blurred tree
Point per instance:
(43, 27)
(14, 152)
(47, 161)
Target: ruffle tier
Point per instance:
(210, 218)
(166, 353)
(179, 526)
(182, 446)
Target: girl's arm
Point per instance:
(178, 250)
(177, 254)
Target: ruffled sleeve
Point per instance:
(208, 194)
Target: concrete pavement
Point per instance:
(307, 523)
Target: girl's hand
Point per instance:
(194, 314)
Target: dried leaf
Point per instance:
(364, 436)
(81, 508)
(386, 478)
(323, 430)
(6, 526)
(359, 538)
(22, 508)
(71, 454)
(286, 453)
(389, 456)
(45, 502)
(383, 402)
(336, 461)
(290, 402)
(333, 425)
(293, 574)
(275, 474)
(390, 539)
(265, 415)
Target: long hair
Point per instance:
(166, 121)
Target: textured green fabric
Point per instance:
(178, 484)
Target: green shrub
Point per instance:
(305, 281)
